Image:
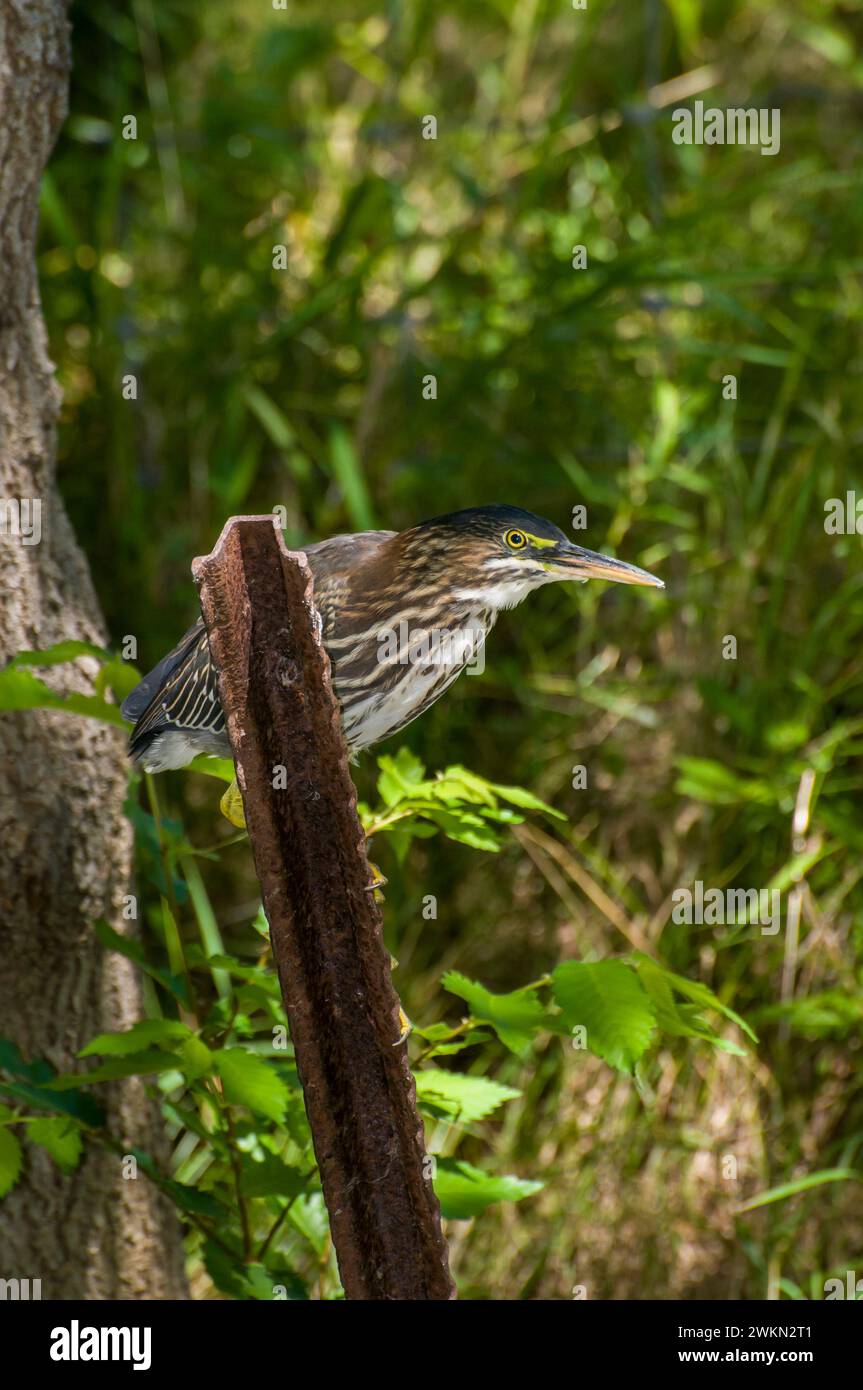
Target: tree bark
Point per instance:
(65, 846)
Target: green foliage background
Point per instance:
(302, 127)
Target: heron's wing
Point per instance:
(332, 563)
(182, 691)
(134, 704)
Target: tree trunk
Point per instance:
(65, 847)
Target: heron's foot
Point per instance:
(405, 1025)
(231, 806)
(377, 883)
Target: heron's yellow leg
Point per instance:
(377, 883)
(405, 1025)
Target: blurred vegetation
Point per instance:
(302, 128)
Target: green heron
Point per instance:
(403, 613)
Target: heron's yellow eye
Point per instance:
(516, 540)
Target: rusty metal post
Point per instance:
(326, 930)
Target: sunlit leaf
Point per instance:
(465, 1098)
(606, 999)
(464, 1190)
(516, 1017)
(62, 1139)
(249, 1080)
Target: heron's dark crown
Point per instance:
(491, 522)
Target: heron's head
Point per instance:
(494, 556)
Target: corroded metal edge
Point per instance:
(275, 684)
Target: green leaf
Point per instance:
(677, 1020)
(665, 1008)
(516, 1017)
(22, 690)
(464, 1191)
(196, 1059)
(468, 786)
(791, 1189)
(193, 1200)
(32, 1080)
(120, 676)
(458, 784)
(241, 970)
(466, 829)
(433, 1032)
(140, 1035)
(309, 1216)
(76, 1103)
(400, 776)
(263, 1281)
(452, 1049)
(223, 768)
(145, 1063)
(465, 1098)
(249, 1080)
(227, 1274)
(271, 1178)
(62, 1139)
(67, 650)
(282, 1276)
(606, 999)
(471, 1038)
(458, 802)
(11, 1157)
(692, 989)
(247, 1281)
(519, 797)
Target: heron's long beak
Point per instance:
(569, 561)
